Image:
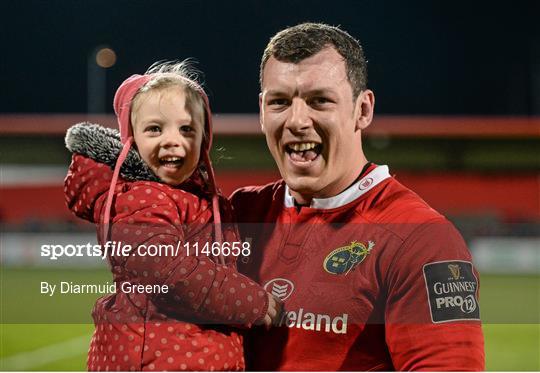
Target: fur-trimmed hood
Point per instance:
(103, 145)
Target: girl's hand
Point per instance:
(274, 312)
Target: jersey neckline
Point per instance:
(361, 187)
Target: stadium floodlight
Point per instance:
(99, 60)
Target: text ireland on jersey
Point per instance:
(317, 322)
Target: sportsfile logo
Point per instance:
(451, 288)
(280, 288)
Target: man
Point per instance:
(371, 277)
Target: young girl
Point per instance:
(162, 193)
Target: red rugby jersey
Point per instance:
(371, 279)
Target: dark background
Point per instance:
(425, 57)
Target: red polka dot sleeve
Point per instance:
(154, 214)
(149, 216)
(85, 183)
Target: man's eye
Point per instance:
(319, 101)
(278, 102)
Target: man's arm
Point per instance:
(432, 314)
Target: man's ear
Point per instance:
(261, 114)
(365, 104)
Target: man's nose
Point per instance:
(299, 119)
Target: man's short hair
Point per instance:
(299, 42)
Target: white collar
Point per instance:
(362, 186)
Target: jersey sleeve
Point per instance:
(199, 289)
(432, 316)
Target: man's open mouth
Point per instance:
(303, 151)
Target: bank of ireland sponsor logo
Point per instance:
(452, 289)
(303, 319)
(280, 288)
(344, 259)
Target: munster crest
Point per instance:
(344, 259)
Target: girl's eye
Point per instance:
(186, 128)
(154, 129)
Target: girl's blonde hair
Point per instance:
(175, 74)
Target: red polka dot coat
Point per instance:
(190, 326)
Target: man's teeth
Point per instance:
(303, 146)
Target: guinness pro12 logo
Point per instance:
(452, 288)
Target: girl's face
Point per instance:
(167, 136)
